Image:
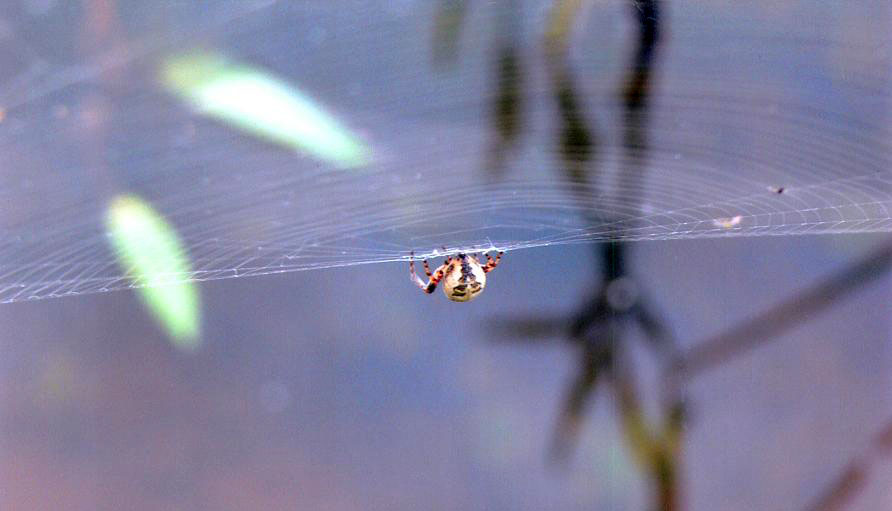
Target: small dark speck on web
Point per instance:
(776, 189)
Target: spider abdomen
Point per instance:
(464, 279)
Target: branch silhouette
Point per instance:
(854, 476)
(763, 328)
(598, 328)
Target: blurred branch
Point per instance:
(593, 364)
(598, 327)
(657, 451)
(560, 23)
(760, 329)
(448, 21)
(508, 110)
(655, 445)
(852, 479)
(756, 331)
(529, 329)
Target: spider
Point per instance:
(464, 276)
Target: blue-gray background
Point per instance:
(349, 389)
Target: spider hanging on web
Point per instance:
(463, 276)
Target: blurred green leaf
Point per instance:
(150, 251)
(262, 104)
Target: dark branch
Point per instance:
(760, 329)
(852, 479)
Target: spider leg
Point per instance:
(412, 275)
(434, 279)
(427, 269)
(492, 263)
(438, 276)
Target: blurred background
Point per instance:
(692, 311)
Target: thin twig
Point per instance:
(756, 331)
(853, 478)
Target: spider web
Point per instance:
(757, 124)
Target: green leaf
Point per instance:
(151, 253)
(263, 105)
